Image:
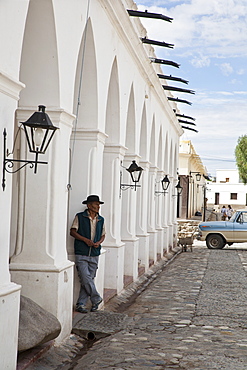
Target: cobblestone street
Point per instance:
(192, 316)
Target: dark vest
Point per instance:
(84, 229)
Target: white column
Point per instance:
(87, 147)
(40, 262)
(128, 222)
(159, 212)
(142, 218)
(151, 216)
(114, 259)
(174, 214)
(9, 291)
(165, 222)
(170, 201)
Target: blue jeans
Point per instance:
(87, 268)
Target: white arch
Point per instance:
(160, 151)
(166, 158)
(143, 134)
(130, 139)
(171, 157)
(152, 156)
(112, 127)
(86, 82)
(39, 61)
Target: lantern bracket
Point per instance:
(165, 185)
(39, 131)
(133, 170)
(179, 189)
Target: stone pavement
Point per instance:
(191, 317)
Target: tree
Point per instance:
(241, 157)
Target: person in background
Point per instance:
(223, 213)
(229, 212)
(88, 229)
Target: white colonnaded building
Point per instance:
(84, 61)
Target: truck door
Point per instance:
(240, 228)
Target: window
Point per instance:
(217, 199)
(227, 179)
(234, 196)
(242, 217)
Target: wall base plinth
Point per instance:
(160, 241)
(114, 266)
(131, 257)
(51, 288)
(143, 254)
(153, 245)
(166, 240)
(9, 319)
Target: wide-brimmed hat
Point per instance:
(92, 198)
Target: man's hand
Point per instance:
(89, 242)
(75, 235)
(96, 245)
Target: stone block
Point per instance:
(36, 325)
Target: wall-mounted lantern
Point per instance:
(198, 175)
(135, 172)
(39, 131)
(165, 184)
(179, 189)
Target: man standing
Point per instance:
(88, 229)
(223, 213)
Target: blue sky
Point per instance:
(210, 38)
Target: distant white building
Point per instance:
(228, 189)
(192, 175)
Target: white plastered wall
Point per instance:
(12, 22)
(120, 94)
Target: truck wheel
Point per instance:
(215, 241)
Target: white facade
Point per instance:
(85, 62)
(227, 190)
(190, 164)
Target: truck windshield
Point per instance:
(240, 217)
(233, 217)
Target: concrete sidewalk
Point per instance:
(192, 317)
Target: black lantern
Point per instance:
(198, 175)
(179, 188)
(135, 172)
(165, 185)
(39, 131)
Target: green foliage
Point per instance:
(241, 157)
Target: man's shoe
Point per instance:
(80, 308)
(95, 306)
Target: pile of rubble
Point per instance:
(187, 232)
